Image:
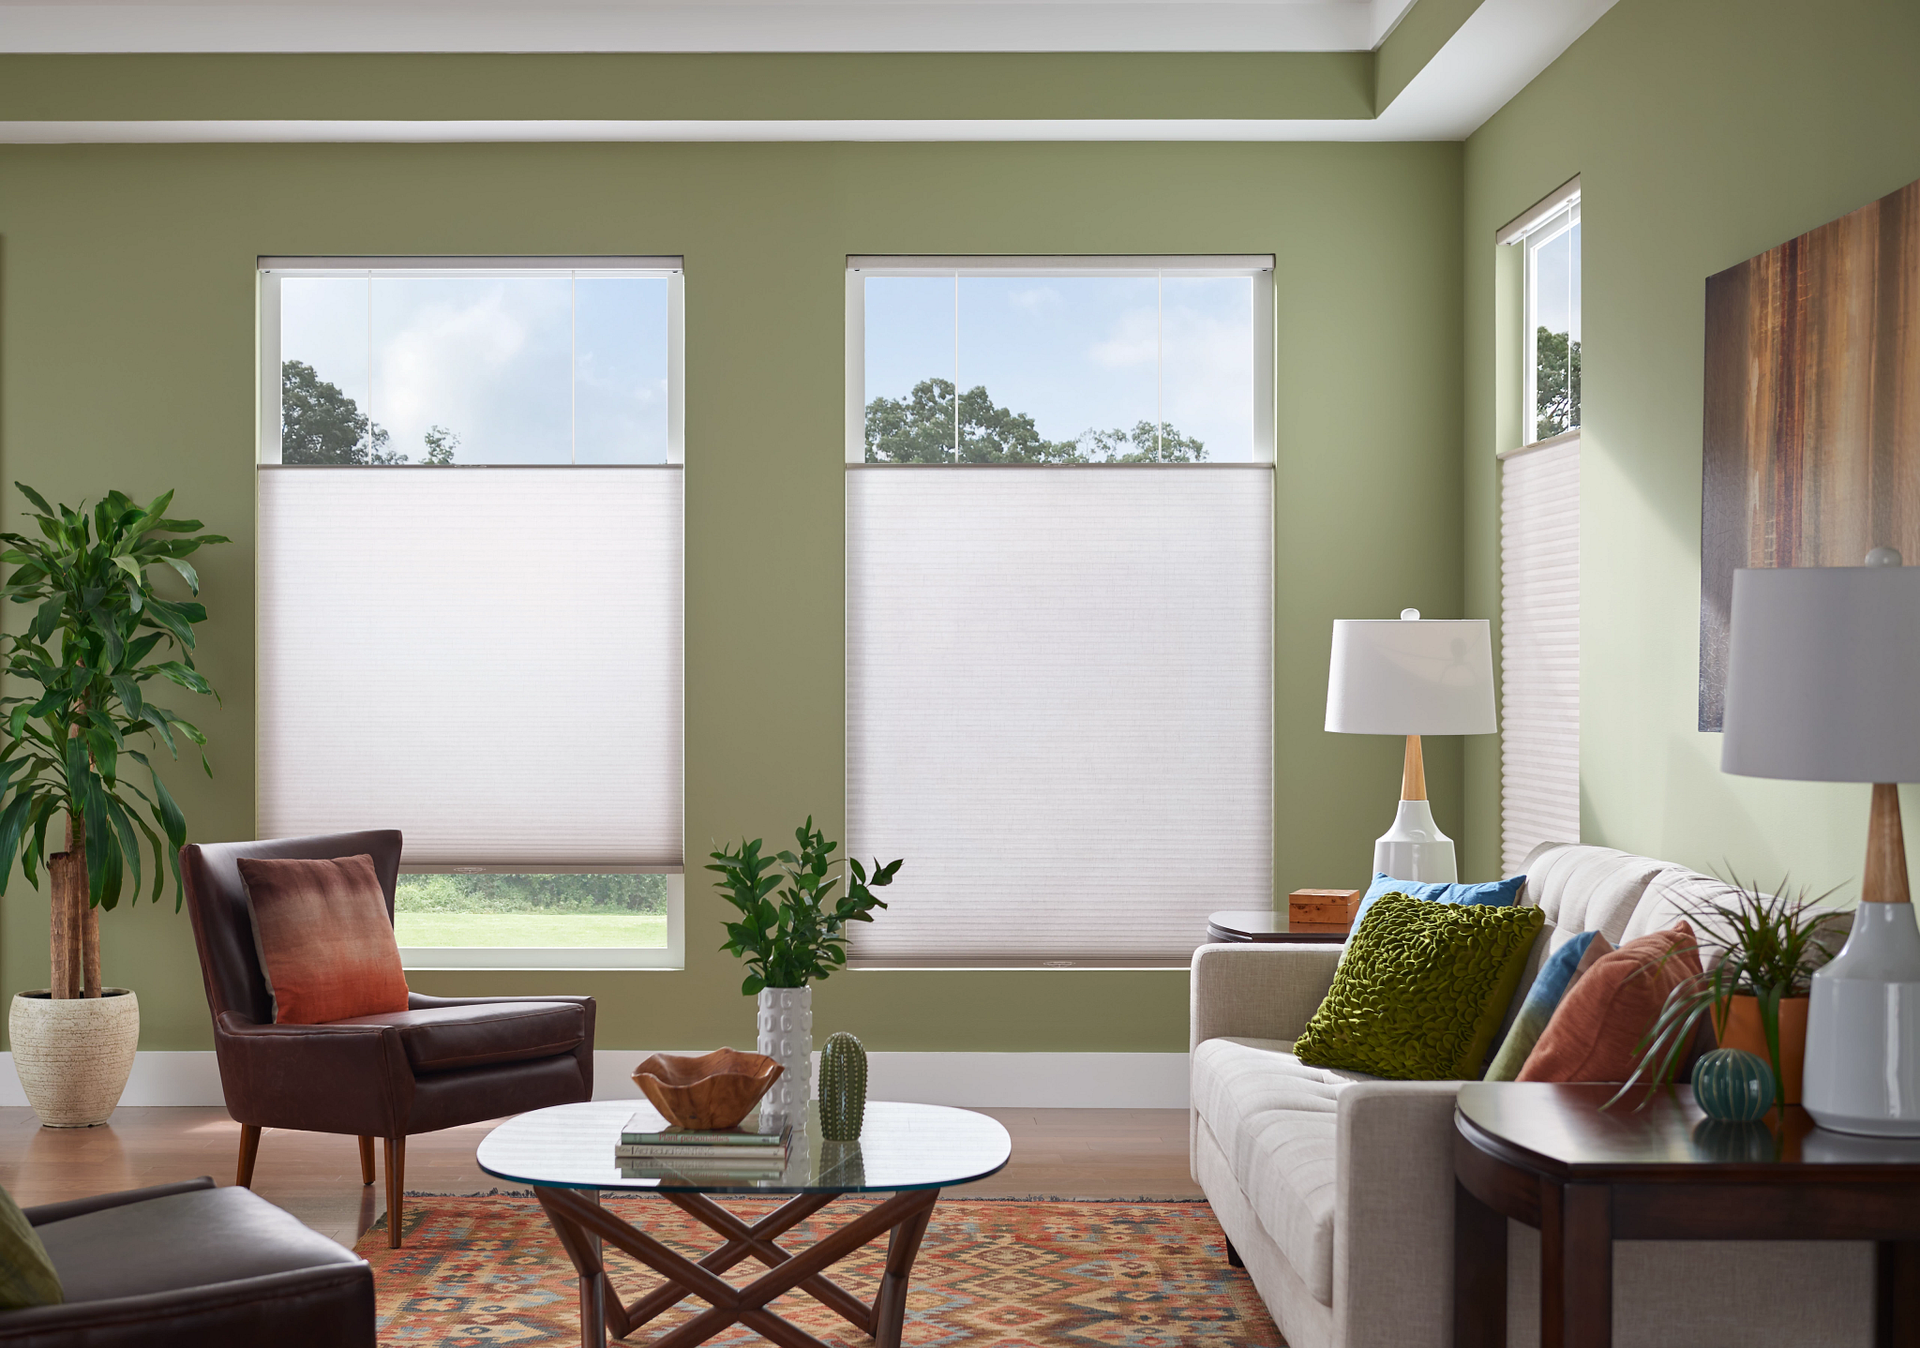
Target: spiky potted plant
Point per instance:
(77, 681)
(792, 939)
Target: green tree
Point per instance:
(1556, 384)
(441, 443)
(920, 429)
(320, 424)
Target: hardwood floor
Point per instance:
(1057, 1153)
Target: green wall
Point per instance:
(1704, 131)
(127, 359)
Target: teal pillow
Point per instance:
(27, 1276)
(1422, 989)
(1562, 969)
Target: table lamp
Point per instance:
(1823, 685)
(1414, 676)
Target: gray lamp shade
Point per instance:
(1823, 674)
(1411, 677)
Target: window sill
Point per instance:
(506, 958)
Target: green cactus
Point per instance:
(843, 1088)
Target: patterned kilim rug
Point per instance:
(991, 1274)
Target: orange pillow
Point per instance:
(1596, 1030)
(325, 941)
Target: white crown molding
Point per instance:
(980, 1080)
(715, 26)
(1494, 55)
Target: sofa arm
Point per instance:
(326, 1307)
(42, 1213)
(1257, 990)
(1393, 1215)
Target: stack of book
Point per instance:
(741, 1155)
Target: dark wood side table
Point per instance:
(1549, 1156)
(1253, 924)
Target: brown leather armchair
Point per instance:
(443, 1062)
(189, 1265)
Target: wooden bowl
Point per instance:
(711, 1091)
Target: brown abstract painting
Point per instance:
(1812, 453)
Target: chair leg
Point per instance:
(396, 1188)
(366, 1160)
(249, 1149)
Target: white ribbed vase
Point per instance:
(74, 1054)
(786, 1036)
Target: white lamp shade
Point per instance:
(1418, 676)
(1823, 674)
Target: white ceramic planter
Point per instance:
(786, 1036)
(74, 1054)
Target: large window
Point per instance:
(470, 593)
(1540, 544)
(1060, 603)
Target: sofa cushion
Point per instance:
(180, 1241)
(444, 1038)
(1274, 1118)
(1587, 889)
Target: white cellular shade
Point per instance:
(1060, 706)
(1539, 650)
(487, 659)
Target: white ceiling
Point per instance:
(709, 25)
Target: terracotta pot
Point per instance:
(74, 1054)
(1741, 1029)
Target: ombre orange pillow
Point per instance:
(326, 944)
(1596, 1030)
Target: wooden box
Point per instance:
(1322, 909)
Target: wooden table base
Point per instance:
(582, 1224)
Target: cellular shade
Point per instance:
(1823, 674)
(1539, 650)
(487, 659)
(1396, 676)
(1060, 706)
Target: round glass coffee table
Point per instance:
(911, 1151)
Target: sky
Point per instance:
(1556, 301)
(494, 360)
(1076, 353)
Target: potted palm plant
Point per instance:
(792, 939)
(1758, 954)
(98, 638)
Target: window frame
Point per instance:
(1260, 268)
(1254, 265)
(1561, 221)
(269, 273)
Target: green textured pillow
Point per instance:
(1421, 991)
(27, 1276)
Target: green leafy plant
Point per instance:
(1761, 945)
(803, 935)
(86, 658)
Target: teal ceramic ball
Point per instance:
(1733, 1086)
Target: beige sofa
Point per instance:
(1336, 1189)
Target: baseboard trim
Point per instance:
(983, 1080)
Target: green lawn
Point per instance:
(530, 929)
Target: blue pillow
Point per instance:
(1550, 986)
(1498, 893)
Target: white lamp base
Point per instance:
(1863, 1028)
(1415, 848)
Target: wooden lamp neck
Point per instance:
(1886, 875)
(1413, 778)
